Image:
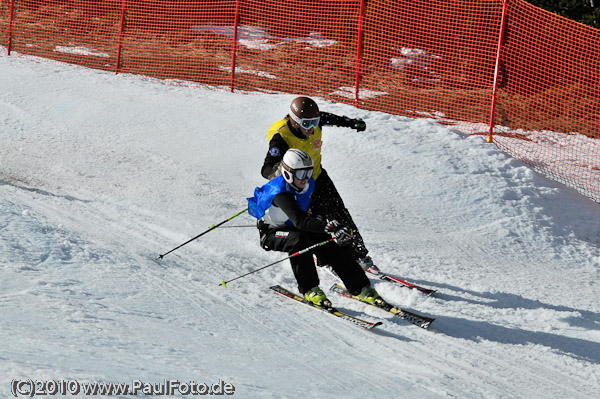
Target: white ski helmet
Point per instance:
(296, 163)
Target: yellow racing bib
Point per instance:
(311, 145)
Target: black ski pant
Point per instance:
(327, 203)
(340, 258)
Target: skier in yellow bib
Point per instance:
(302, 129)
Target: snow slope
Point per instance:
(100, 173)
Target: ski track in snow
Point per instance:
(101, 173)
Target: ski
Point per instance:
(331, 310)
(414, 318)
(387, 277)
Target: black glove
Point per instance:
(359, 125)
(342, 234)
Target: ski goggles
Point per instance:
(306, 123)
(302, 174)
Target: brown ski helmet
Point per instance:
(305, 112)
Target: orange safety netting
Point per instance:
(548, 96)
(454, 61)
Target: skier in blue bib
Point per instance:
(281, 209)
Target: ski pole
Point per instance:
(305, 250)
(214, 226)
(233, 227)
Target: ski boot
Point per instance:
(367, 265)
(369, 295)
(317, 297)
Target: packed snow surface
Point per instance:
(100, 173)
